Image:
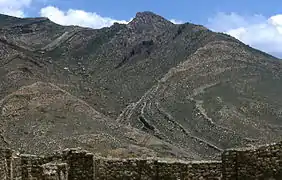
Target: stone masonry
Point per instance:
(261, 163)
(264, 162)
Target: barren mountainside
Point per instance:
(146, 88)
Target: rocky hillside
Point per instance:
(149, 88)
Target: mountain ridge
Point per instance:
(194, 92)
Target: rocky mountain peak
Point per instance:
(146, 19)
(147, 14)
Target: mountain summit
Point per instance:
(148, 88)
(147, 19)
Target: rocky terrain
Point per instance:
(146, 88)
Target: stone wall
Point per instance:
(155, 169)
(41, 167)
(264, 162)
(5, 164)
(81, 164)
(54, 171)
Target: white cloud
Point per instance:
(78, 17)
(83, 18)
(174, 21)
(14, 7)
(257, 31)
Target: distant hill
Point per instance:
(146, 88)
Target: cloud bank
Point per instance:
(14, 7)
(78, 17)
(70, 17)
(257, 31)
(82, 18)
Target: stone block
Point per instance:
(54, 171)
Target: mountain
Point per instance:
(146, 88)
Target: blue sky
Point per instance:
(187, 10)
(257, 23)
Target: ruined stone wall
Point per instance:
(156, 169)
(264, 162)
(81, 164)
(75, 164)
(14, 166)
(5, 164)
(41, 167)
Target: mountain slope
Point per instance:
(43, 118)
(193, 91)
(222, 96)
